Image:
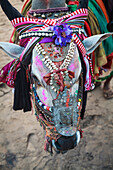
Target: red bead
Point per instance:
(48, 108)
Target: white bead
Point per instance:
(46, 34)
(54, 68)
(55, 90)
(34, 14)
(51, 69)
(52, 75)
(46, 56)
(43, 16)
(40, 48)
(43, 59)
(45, 107)
(43, 34)
(39, 34)
(40, 103)
(50, 34)
(45, 62)
(38, 44)
(43, 52)
(52, 87)
(50, 61)
(52, 64)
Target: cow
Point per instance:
(52, 65)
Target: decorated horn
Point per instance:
(9, 10)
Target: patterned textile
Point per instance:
(8, 73)
(25, 8)
(75, 18)
(107, 44)
(22, 25)
(100, 56)
(101, 5)
(97, 20)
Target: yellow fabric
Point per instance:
(100, 56)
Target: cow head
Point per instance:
(57, 86)
(57, 77)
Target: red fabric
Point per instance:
(8, 73)
(87, 29)
(101, 4)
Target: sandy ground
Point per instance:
(21, 137)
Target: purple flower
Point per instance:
(62, 34)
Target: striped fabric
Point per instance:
(76, 19)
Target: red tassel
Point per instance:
(81, 133)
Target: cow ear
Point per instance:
(11, 49)
(91, 43)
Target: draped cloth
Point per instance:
(97, 20)
(101, 5)
(99, 53)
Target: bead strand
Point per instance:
(69, 56)
(51, 66)
(39, 101)
(36, 34)
(90, 63)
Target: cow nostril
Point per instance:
(65, 143)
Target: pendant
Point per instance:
(65, 115)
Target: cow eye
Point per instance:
(37, 82)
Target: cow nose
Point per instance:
(65, 143)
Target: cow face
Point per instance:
(56, 71)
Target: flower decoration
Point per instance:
(62, 34)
